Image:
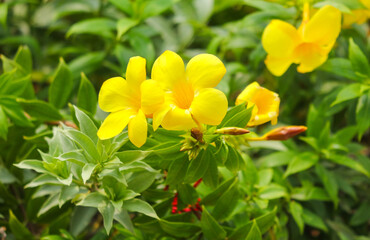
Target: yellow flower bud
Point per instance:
(232, 131)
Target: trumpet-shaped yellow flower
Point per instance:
(265, 104)
(129, 103)
(308, 46)
(358, 16)
(190, 96)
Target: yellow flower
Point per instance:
(358, 16)
(308, 46)
(265, 104)
(129, 103)
(190, 96)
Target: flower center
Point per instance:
(183, 94)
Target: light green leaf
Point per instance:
(349, 92)
(87, 170)
(349, 162)
(97, 26)
(6, 177)
(254, 233)
(85, 143)
(14, 111)
(93, 199)
(123, 5)
(107, 211)
(301, 162)
(296, 210)
(67, 193)
(61, 86)
(137, 205)
(272, 191)
(86, 125)
(3, 13)
(129, 156)
(125, 24)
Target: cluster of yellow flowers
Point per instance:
(179, 98)
(176, 98)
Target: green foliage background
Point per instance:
(57, 182)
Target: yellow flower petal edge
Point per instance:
(265, 104)
(129, 102)
(309, 45)
(190, 99)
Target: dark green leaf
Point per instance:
(179, 229)
(18, 229)
(226, 203)
(61, 86)
(198, 166)
(40, 110)
(97, 26)
(297, 211)
(254, 233)
(14, 111)
(3, 124)
(363, 113)
(313, 220)
(86, 97)
(210, 227)
(330, 184)
(358, 59)
(137, 205)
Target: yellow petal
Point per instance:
(277, 65)
(136, 71)
(205, 71)
(178, 119)
(159, 115)
(265, 104)
(115, 95)
(137, 129)
(209, 106)
(310, 57)
(152, 97)
(168, 69)
(324, 27)
(115, 123)
(280, 38)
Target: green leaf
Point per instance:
(272, 191)
(237, 116)
(3, 124)
(313, 220)
(363, 113)
(80, 219)
(349, 92)
(14, 111)
(349, 162)
(137, 205)
(86, 97)
(341, 67)
(107, 211)
(234, 161)
(276, 159)
(179, 229)
(330, 184)
(123, 5)
(212, 197)
(177, 170)
(40, 110)
(140, 181)
(130, 156)
(187, 193)
(23, 58)
(210, 227)
(301, 162)
(361, 215)
(210, 178)
(61, 86)
(309, 193)
(124, 219)
(18, 229)
(85, 143)
(67, 193)
(86, 63)
(198, 166)
(358, 59)
(125, 24)
(87, 170)
(93, 199)
(97, 26)
(86, 125)
(6, 177)
(226, 203)
(3, 13)
(156, 7)
(296, 210)
(51, 202)
(264, 222)
(254, 233)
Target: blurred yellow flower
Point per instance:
(308, 46)
(265, 104)
(358, 16)
(129, 103)
(190, 96)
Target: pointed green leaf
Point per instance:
(61, 86)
